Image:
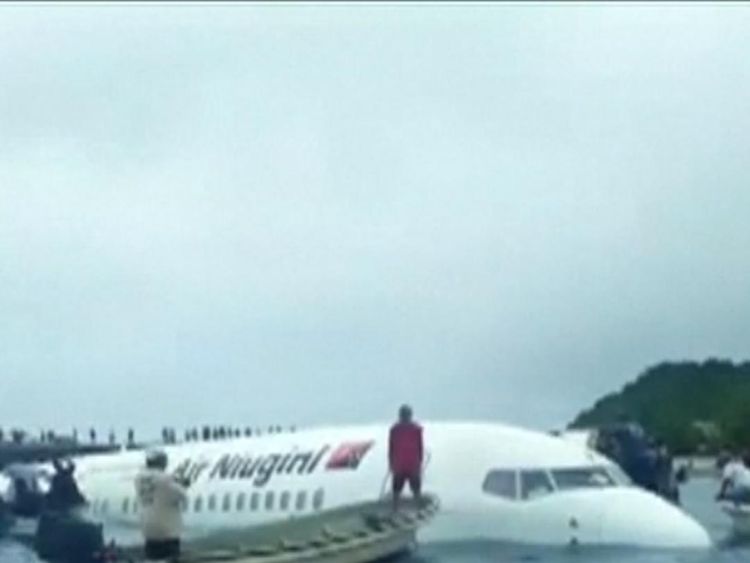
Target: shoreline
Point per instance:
(698, 466)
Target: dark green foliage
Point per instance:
(691, 406)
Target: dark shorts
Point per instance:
(414, 480)
(162, 549)
(739, 495)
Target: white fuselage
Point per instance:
(494, 482)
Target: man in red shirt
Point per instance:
(405, 454)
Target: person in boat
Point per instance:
(64, 493)
(161, 497)
(405, 454)
(735, 482)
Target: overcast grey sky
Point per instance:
(312, 213)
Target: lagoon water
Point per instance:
(697, 499)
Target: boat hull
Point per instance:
(740, 516)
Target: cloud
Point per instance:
(312, 214)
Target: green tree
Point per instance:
(678, 401)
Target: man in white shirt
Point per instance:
(161, 498)
(735, 482)
(6, 489)
(6, 498)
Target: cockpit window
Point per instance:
(618, 475)
(582, 478)
(501, 483)
(535, 484)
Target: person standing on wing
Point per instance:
(161, 497)
(405, 454)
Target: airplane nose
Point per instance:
(641, 518)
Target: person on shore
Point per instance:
(735, 482)
(405, 455)
(161, 497)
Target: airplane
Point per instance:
(494, 482)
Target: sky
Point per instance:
(312, 213)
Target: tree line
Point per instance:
(694, 407)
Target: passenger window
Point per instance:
(317, 500)
(301, 501)
(269, 500)
(125, 505)
(284, 500)
(241, 502)
(226, 505)
(535, 484)
(198, 504)
(254, 501)
(211, 503)
(501, 483)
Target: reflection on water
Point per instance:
(697, 499)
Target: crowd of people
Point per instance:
(169, 435)
(13, 435)
(208, 433)
(646, 460)
(650, 465)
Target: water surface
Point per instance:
(697, 499)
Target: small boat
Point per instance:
(740, 515)
(358, 533)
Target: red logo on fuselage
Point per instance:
(348, 455)
(259, 469)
